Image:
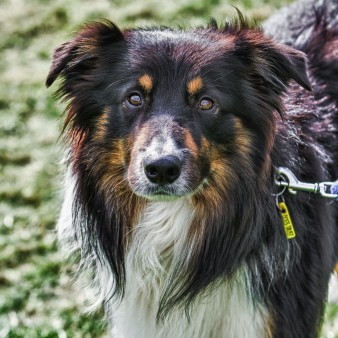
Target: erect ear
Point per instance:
(83, 48)
(281, 63)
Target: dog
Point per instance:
(173, 196)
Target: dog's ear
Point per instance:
(278, 64)
(289, 63)
(275, 63)
(81, 50)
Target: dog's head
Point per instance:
(158, 114)
(166, 113)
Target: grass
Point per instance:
(37, 298)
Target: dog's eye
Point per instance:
(206, 104)
(135, 100)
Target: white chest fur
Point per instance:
(155, 249)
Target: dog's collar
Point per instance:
(286, 179)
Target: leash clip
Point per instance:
(325, 189)
(286, 178)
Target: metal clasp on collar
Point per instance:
(286, 178)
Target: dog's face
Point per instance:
(180, 126)
(164, 114)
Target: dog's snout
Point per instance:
(164, 170)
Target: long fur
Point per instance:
(173, 138)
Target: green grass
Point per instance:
(37, 298)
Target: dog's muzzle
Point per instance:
(161, 162)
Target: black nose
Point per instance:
(164, 170)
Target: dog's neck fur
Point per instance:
(155, 250)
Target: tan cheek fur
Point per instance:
(191, 144)
(243, 139)
(113, 184)
(101, 126)
(220, 177)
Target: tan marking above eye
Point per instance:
(146, 82)
(194, 86)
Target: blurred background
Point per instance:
(37, 298)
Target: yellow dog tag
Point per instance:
(287, 222)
